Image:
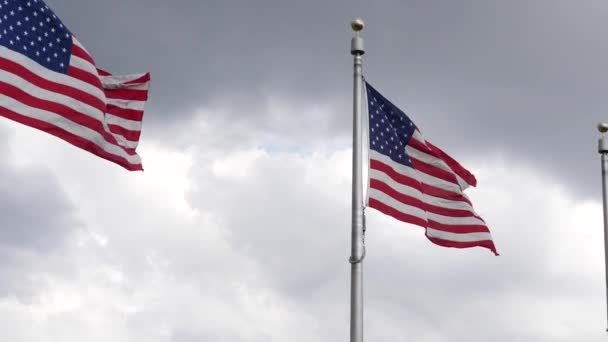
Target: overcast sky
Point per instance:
(239, 227)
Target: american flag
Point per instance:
(50, 82)
(414, 181)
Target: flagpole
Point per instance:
(357, 247)
(603, 150)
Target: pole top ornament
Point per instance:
(357, 25)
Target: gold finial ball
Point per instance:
(357, 25)
(602, 127)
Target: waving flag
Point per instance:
(414, 181)
(50, 82)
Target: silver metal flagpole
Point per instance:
(357, 247)
(603, 150)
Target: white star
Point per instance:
(37, 53)
(10, 41)
(20, 8)
(27, 18)
(61, 64)
(24, 47)
(12, 12)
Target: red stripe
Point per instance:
(457, 244)
(424, 188)
(103, 72)
(420, 146)
(59, 109)
(69, 137)
(434, 171)
(79, 52)
(128, 134)
(43, 83)
(127, 94)
(129, 114)
(390, 211)
(454, 165)
(417, 202)
(85, 76)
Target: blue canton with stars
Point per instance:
(390, 130)
(30, 28)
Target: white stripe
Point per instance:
(122, 141)
(464, 237)
(77, 43)
(47, 95)
(456, 221)
(391, 202)
(83, 65)
(113, 86)
(50, 75)
(425, 215)
(409, 191)
(416, 174)
(67, 125)
(429, 159)
(127, 104)
(124, 123)
(116, 81)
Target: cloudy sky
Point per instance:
(239, 227)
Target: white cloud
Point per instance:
(247, 244)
